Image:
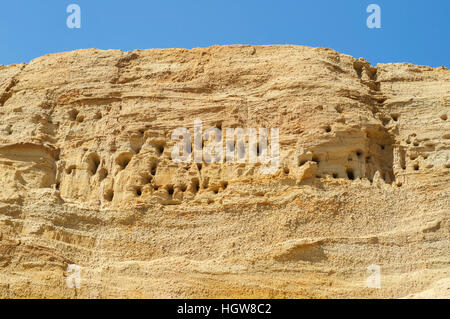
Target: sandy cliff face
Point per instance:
(87, 178)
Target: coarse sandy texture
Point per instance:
(86, 176)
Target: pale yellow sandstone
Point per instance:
(86, 176)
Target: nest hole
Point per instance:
(109, 195)
(195, 186)
(123, 160)
(138, 191)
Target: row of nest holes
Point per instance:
(122, 160)
(170, 189)
(416, 166)
(358, 153)
(395, 117)
(338, 108)
(74, 116)
(385, 121)
(109, 195)
(417, 143)
(94, 163)
(351, 175)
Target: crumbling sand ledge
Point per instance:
(86, 176)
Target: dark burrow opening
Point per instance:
(395, 117)
(123, 160)
(159, 149)
(170, 190)
(350, 174)
(102, 174)
(153, 169)
(73, 114)
(109, 195)
(94, 163)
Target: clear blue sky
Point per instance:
(414, 31)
